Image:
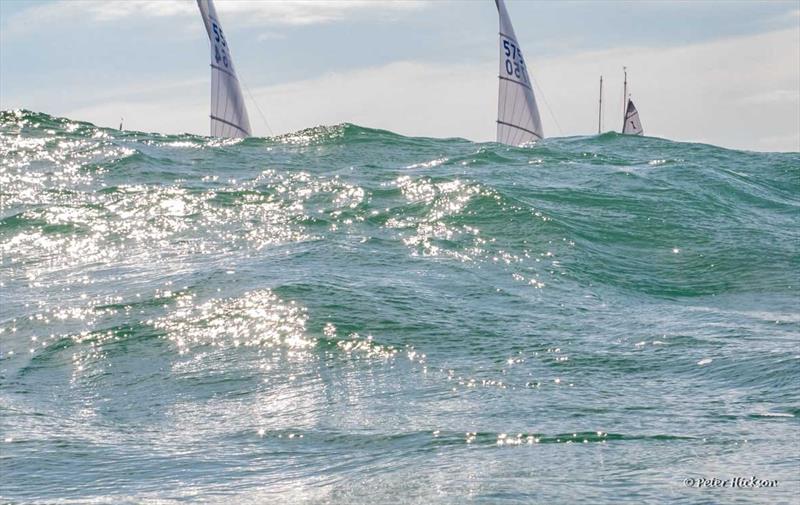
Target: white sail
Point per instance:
(228, 113)
(518, 118)
(632, 125)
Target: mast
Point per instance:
(600, 109)
(624, 96)
(631, 124)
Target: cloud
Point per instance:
(113, 11)
(728, 92)
(786, 96)
(790, 142)
(33, 18)
(247, 12)
(411, 98)
(307, 12)
(739, 92)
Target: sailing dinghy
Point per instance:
(228, 112)
(631, 125)
(518, 120)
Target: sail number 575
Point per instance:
(514, 63)
(220, 45)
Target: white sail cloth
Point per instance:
(518, 120)
(632, 125)
(228, 112)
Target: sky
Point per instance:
(718, 72)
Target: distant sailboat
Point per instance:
(228, 112)
(518, 120)
(631, 125)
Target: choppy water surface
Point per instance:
(346, 315)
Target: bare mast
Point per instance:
(600, 109)
(624, 97)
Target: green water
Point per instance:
(347, 315)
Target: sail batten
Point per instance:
(518, 128)
(518, 120)
(228, 112)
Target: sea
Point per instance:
(346, 315)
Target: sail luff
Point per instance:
(518, 120)
(228, 113)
